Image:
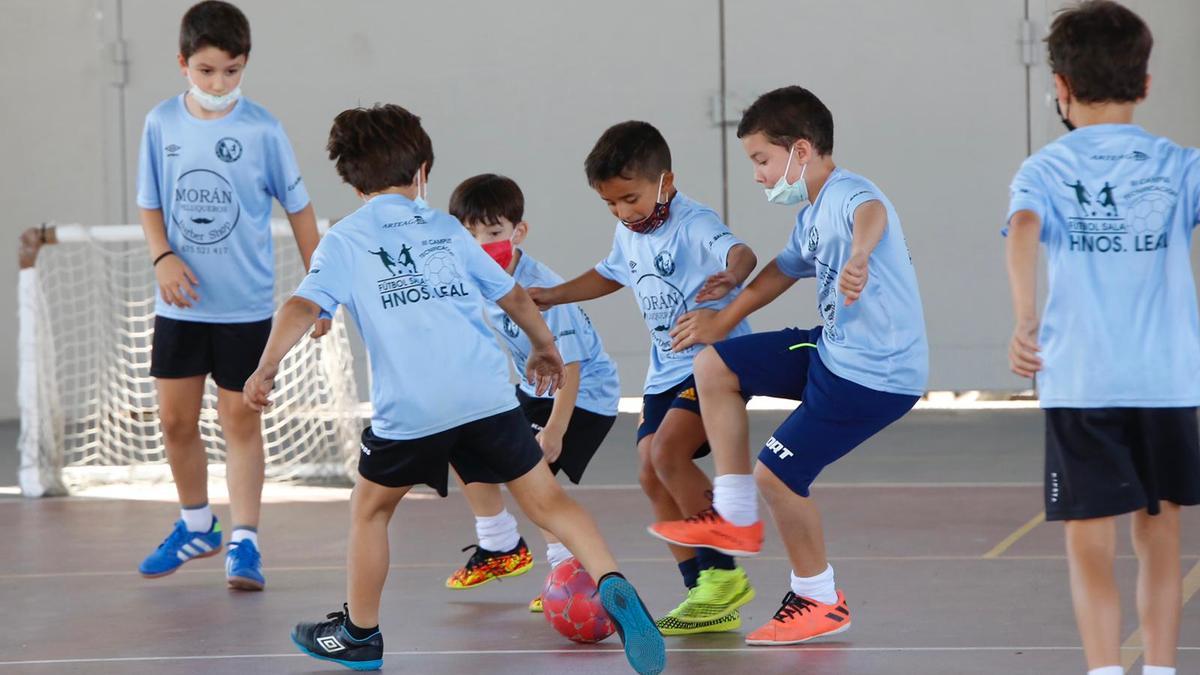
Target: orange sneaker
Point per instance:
(708, 529)
(802, 619)
(486, 565)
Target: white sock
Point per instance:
(557, 554)
(735, 497)
(199, 519)
(241, 534)
(1107, 670)
(820, 588)
(497, 533)
(1157, 670)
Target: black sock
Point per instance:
(690, 569)
(357, 633)
(712, 559)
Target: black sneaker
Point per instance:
(644, 647)
(330, 641)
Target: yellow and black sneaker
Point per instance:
(535, 605)
(485, 565)
(671, 625)
(712, 606)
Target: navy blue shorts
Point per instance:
(656, 406)
(836, 415)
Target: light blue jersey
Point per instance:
(416, 284)
(1120, 328)
(577, 340)
(878, 342)
(666, 269)
(214, 181)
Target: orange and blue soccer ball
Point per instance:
(572, 605)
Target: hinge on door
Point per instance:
(1027, 38)
(117, 62)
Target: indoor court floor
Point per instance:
(934, 528)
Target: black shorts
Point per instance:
(585, 432)
(1109, 461)
(230, 351)
(495, 449)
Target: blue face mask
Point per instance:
(789, 195)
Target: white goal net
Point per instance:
(89, 413)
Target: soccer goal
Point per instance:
(89, 412)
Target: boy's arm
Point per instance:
(544, 367)
(551, 435)
(587, 286)
(304, 229)
(704, 326)
(292, 320)
(870, 221)
(740, 262)
(1021, 247)
(176, 281)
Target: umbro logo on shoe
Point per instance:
(331, 644)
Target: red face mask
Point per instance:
(500, 251)
(662, 210)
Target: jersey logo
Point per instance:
(1133, 221)
(172, 150)
(432, 273)
(511, 328)
(1104, 200)
(814, 238)
(229, 149)
(664, 263)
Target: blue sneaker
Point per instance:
(181, 546)
(644, 647)
(243, 566)
(330, 641)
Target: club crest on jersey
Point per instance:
(229, 149)
(664, 263)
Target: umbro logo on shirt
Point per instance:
(172, 150)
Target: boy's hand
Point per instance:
(176, 281)
(321, 327)
(257, 390)
(700, 327)
(854, 278)
(544, 370)
(1023, 349)
(717, 286)
(551, 440)
(542, 297)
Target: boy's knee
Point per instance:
(666, 457)
(710, 370)
(179, 428)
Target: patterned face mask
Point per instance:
(656, 218)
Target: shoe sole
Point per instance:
(741, 553)
(770, 643)
(726, 627)
(245, 584)
(740, 601)
(644, 646)
(172, 570)
(492, 578)
(374, 664)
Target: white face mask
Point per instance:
(211, 102)
(782, 193)
(422, 190)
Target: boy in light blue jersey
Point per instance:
(440, 386)
(676, 255)
(1116, 353)
(570, 424)
(862, 369)
(211, 163)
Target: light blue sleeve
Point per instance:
(790, 261)
(149, 171)
(284, 180)
(567, 324)
(713, 236)
(613, 267)
(491, 279)
(1193, 182)
(858, 195)
(1027, 193)
(330, 278)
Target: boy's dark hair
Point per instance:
(486, 199)
(788, 114)
(214, 23)
(628, 150)
(379, 147)
(1102, 49)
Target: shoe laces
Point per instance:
(244, 556)
(794, 605)
(480, 558)
(708, 515)
(177, 537)
(339, 618)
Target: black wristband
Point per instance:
(160, 257)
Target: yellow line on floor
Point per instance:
(1131, 650)
(999, 549)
